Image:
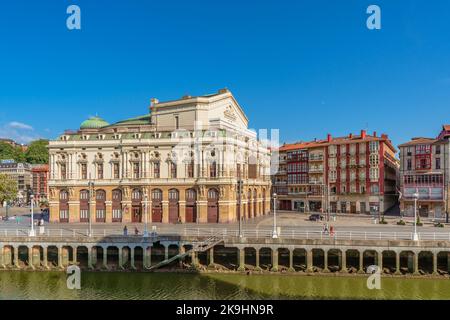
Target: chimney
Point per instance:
(350, 135)
(363, 134)
(384, 136)
(374, 133)
(329, 137)
(224, 90)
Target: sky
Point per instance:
(305, 67)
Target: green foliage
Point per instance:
(8, 152)
(401, 223)
(438, 225)
(37, 152)
(8, 189)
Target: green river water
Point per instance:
(177, 286)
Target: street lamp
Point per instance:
(415, 235)
(91, 193)
(32, 231)
(275, 232)
(240, 185)
(145, 234)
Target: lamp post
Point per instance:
(145, 234)
(415, 235)
(240, 185)
(32, 231)
(275, 232)
(91, 193)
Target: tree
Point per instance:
(8, 189)
(9, 152)
(37, 152)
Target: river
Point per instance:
(178, 286)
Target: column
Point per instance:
(16, 257)
(194, 262)
(291, 261)
(44, 253)
(325, 261)
(397, 263)
(344, 268)
(166, 252)
(147, 255)
(60, 258)
(165, 210)
(2, 258)
(182, 250)
(94, 257)
(241, 260)
(90, 266)
(361, 261)
(309, 260)
(274, 260)
(36, 259)
(416, 263)
(448, 261)
(211, 258)
(380, 260)
(75, 253)
(435, 254)
(105, 257)
(258, 268)
(120, 257)
(182, 208)
(132, 258)
(30, 257)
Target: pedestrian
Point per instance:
(331, 231)
(125, 231)
(136, 231)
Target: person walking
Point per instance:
(136, 231)
(331, 231)
(125, 231)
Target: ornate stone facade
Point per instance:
(179, 163)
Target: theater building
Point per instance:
(424, 170)
(350, 174)
(180, 162)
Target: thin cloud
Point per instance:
(19, 132)
(20, 126)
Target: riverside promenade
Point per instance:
(250, 250)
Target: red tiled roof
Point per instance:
(418, 140)
(336, 140)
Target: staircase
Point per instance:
(200, 246)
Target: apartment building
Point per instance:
(424, 170)
(351, 174)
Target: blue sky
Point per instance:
(307, 67)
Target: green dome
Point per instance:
(94, 123)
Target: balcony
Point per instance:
(316, 157)
(315, 170)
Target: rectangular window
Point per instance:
(116, 170)
(64, 214)
(84, 171)
(173, 170)
(84, 214)
(213, 170)
(438, 163)
(438, 149)
(100, 171)
(177, 122)
(136, 171)
(117, 215)
(156, 171)
(100, 215)
(63, 172)
(190, 169)
(409, 164)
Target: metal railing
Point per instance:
(227, 233)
